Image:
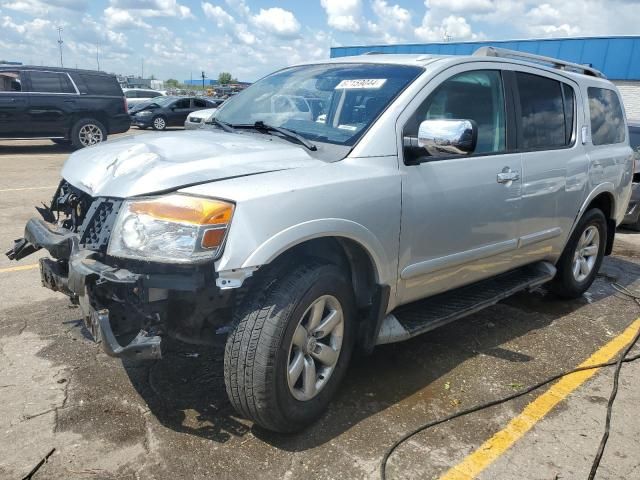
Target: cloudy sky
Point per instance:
(253, 37)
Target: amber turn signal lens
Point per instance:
(186, 209)
(213, 238)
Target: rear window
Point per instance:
(546, 107)
(94, 84)
(607, 119)
(50, 82)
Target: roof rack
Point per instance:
(530, 57)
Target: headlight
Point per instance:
(174, 228)
(144, 113)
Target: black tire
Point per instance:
(565, 284)
(258, 349)
(82, 127)
(161, 125)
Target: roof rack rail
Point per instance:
(530, 57)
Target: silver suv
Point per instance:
(340, 205)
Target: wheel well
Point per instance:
(99, 116)
(345, 253)
(606, 203)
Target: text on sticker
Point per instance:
(361, 83)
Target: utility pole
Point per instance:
(98, 54)
(142, 68)
(203, 77)
(60, 42)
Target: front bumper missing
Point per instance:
(70, 272)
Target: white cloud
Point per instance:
(453, 28)
(391, 16)
(154, 8)
(277, 21)
(343, 15)
(544, 13)
(122, 19)
(462, 6)
(217, 14)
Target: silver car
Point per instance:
(198, 118)
(339, 205)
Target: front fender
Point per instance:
(327, 227)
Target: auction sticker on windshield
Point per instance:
(370, 83)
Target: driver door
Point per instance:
(459, 218)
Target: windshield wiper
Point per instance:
(223, 125)
(260, 125)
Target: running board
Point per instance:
(419, 317)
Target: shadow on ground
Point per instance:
(185, 390)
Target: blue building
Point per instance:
(618, 57)
(197, 82)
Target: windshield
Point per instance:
(333, 103)
(162, 101)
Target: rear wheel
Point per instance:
(290, 346)
(88, 132)
(582, 256)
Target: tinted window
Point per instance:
(184, 103)
(130, 94)
(543, 112)
(199, 103)
(476, 96)
(101, 84)
(50, 82)
(607, 119)
(569, 107)
(10, 81)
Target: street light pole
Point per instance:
(203, 77)
(60, 42)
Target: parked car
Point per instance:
(71, 107)
(139, 95)
(632, 218)
(425, 189)
(168, 112)
(198, 118)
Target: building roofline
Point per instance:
(546, 39)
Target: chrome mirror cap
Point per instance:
(448, 137)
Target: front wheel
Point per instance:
(290, 345)
(159, 123)
(582, 256)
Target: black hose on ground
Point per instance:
(623, 358)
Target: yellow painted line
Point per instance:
(20, 268)
(28, 188)
(493, 448)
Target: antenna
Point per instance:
(446, 37)
(60, 42)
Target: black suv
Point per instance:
(73, 107)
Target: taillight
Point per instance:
(126, 108)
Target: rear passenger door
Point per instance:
(553, 160)
(178, 112)
(53, 100)
(14, 104)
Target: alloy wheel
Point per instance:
(586, 253)
(90, 134)
(315, 348)
(159, 123)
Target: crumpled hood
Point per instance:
(148, 163)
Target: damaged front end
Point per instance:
(128, 304)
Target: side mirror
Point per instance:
(447, 137)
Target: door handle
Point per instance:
(507, 175)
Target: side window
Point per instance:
(184, 103)
(198, 103)
(130, 94)
(50, 82)
(607, 119)
(542, 111)
(10, 81)
(477, 96)
(143, 94)
(101, 85)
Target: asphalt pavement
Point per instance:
(167, 419)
